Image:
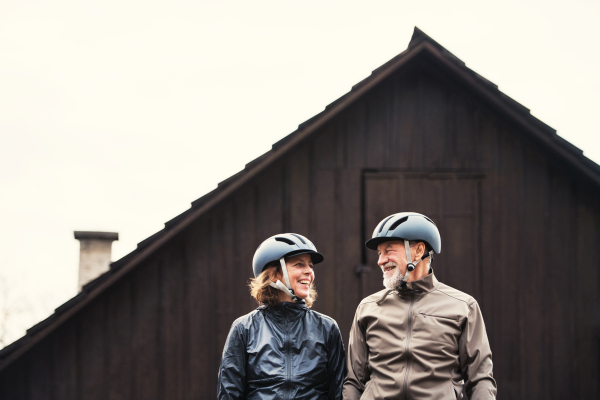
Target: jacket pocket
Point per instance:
(436, 328)
(439, 317)
(458, 389)
(367, 392)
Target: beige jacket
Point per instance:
(427, 341)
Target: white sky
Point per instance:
(115, 115)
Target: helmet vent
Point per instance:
(285, 240)
(395, 224)
(299, 237)
(429, 220)
(384, 222)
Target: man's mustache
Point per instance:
(388, 264)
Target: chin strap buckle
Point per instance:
(280, 286)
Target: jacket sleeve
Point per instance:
(357, 362)
(232, 372)
(336, 364)
(476, 357)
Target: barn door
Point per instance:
(451, 200)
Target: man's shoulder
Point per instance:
(454, 294)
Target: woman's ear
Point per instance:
(273, 274)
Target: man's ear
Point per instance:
(420, 250)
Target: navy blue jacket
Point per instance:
(283, 352)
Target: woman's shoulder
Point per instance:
(324, 319)
(246, 321)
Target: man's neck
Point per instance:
(421, 271)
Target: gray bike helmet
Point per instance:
(279, 247)
(407, 226)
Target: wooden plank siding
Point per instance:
(119, 363)
(520, 233)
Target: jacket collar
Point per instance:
(285, 311)
(426, 284)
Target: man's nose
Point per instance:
(382, 260)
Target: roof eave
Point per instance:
(306, 130)
(520, 115)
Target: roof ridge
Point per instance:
(419, 36)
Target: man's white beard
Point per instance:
(393, 281)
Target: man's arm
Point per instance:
(357, 362)
(232, 372)
(336, 364)
(476, 357)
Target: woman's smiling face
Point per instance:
(301, 274)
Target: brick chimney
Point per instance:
(94, 254)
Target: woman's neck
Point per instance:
(284, 297)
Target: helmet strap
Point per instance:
(287, 288)
(410, 266)
(285, 274)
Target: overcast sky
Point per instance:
(115, 115)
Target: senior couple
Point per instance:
(416, 339)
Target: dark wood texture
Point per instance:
(520, 232)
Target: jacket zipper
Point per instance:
(288, 356)
(408, 337)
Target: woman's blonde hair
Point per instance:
(267, 295)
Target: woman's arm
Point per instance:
(336, 365)
(232, 372)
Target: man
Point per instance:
(418, 338)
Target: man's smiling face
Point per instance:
(392, 261)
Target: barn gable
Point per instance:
(424, 133)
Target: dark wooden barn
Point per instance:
(517, 205)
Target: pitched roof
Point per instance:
(420, 44)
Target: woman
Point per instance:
(283, 349)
